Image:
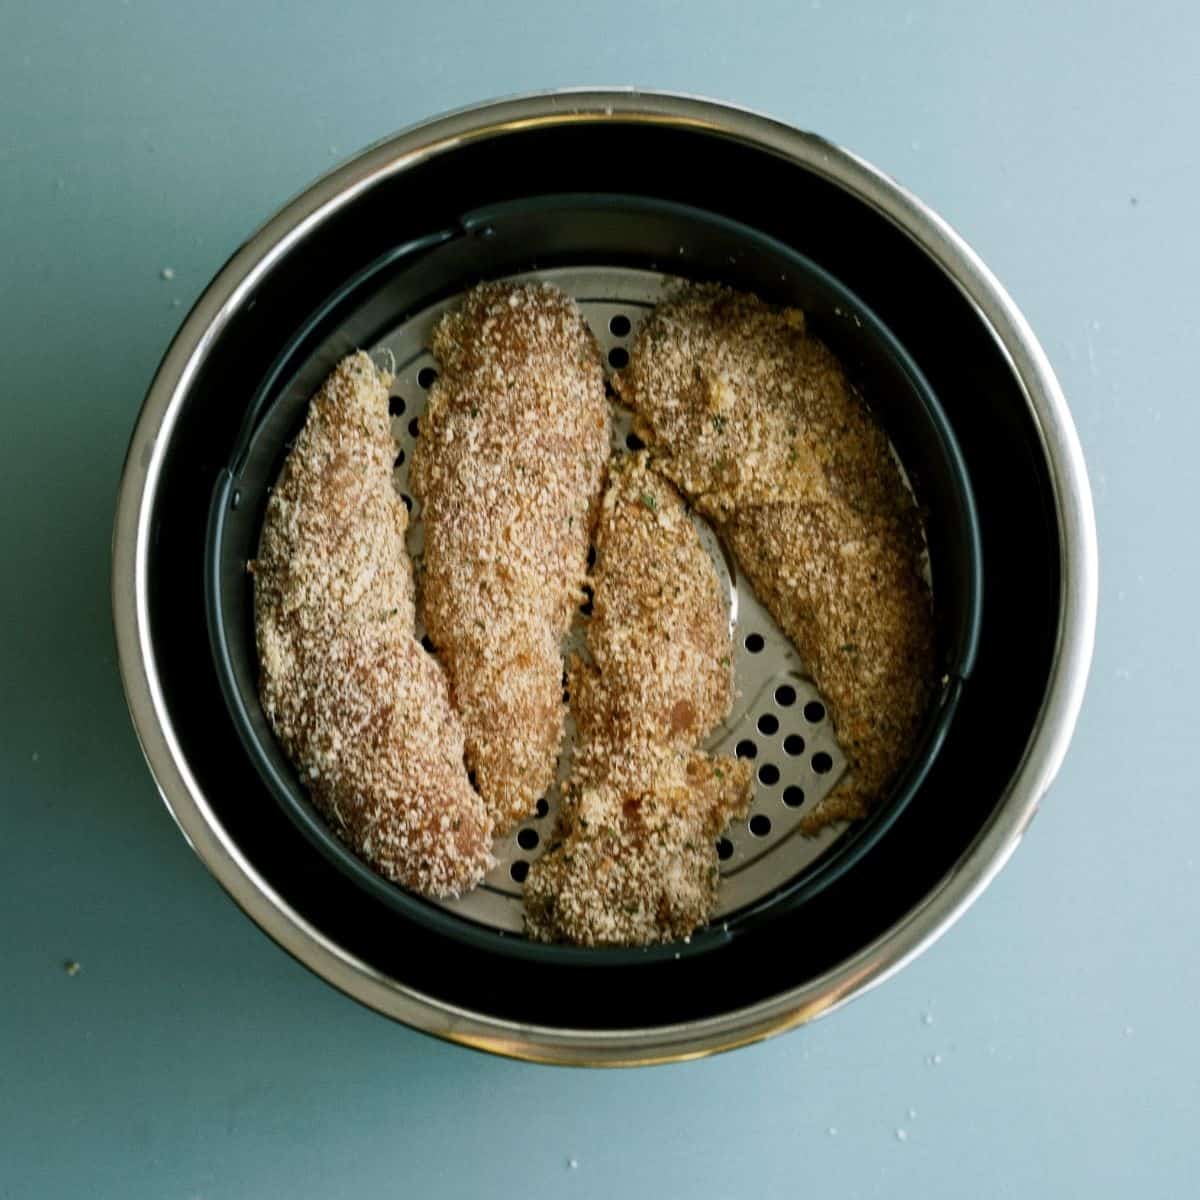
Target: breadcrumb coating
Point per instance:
(634, 859)
(757, 424)
(357, 704)
(509, 468)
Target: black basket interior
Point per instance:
(568, 230)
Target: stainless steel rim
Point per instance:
(875, 962)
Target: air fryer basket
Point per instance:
(779, 716)
(273, 314)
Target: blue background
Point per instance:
(1046, 1046)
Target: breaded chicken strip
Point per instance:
(509, 469)
(756, 423)
(635, 857)
(357, 704)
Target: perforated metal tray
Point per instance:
(778, 718)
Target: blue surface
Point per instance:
(1046, 1047)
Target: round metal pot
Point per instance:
(955, 323)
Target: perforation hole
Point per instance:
(618, 357)
(793, 744)
(785, 695)
(527, 839)
(619, 326)
(814, 712)
(768, 774)
(760, 825)
(519, 870)
(755, 643)
(793, 796)
(396, 406)
(724, 849)
(746, 749)
(822, 763)
(427, 377)
(768, 724)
